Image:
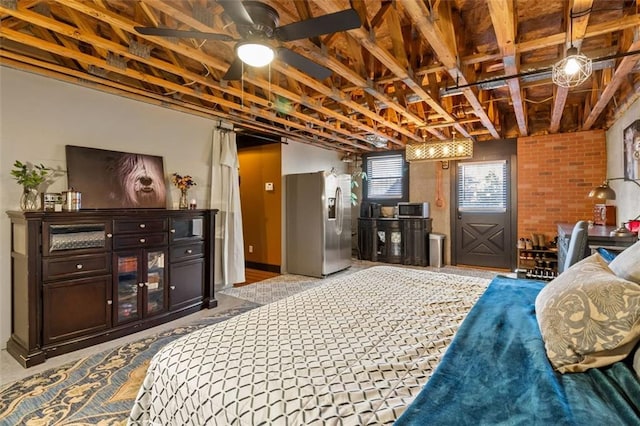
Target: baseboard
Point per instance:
(262, 267)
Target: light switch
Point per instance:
(268, 186)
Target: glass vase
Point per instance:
(30, 199)
(184, 201)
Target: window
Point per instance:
(387, 178)
(482, 186)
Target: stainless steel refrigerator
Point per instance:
(318, 230)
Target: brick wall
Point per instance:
(555, 174)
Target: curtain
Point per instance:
(225, 196)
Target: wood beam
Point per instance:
(624, 67)
(420, 16)
(504, 25)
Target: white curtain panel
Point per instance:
(225, 196)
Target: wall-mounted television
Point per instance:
(113, 179)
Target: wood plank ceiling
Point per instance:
(415, 70)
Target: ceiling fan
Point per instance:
(257, 24)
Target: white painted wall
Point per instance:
(303, 158)
(627, 194)
(39, 116)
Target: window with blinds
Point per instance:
(386, 178)
(482, 186)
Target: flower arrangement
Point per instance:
(182, 182)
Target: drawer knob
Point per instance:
(140, 284)
(189, 251)
(79, 266)
(142, 240)
(172, 287)
(109, 235)
(173, 231)
(142, 225)
(109, 302)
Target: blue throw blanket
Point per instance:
(496, 372)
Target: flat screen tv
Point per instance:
(113, 179)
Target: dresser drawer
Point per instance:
(139, 226)
(186, 251)
(139, 240)
(76, 266)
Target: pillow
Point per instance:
(588, 316)
(627, 264)
(607, 255)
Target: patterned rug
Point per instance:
(276, 288)
(97, 390)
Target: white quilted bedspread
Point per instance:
(354, 351)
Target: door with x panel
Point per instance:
(483, 214)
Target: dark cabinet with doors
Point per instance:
(392, 240)
(80, 278)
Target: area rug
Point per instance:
(276, 288)
(97, 390)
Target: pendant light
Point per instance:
(575, 68)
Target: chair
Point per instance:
(577, 244)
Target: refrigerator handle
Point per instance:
(339, 211)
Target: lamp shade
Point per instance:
(255, 54)
(573, 70)
(453, 149)
(603, 192)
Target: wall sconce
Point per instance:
(452, 149)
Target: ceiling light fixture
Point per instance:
(452, 149)
(575, 68)
(255, 54)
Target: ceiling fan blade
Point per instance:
(236, 11)
(303, 64)
(235, 71)
(331, 23)
(168, 32)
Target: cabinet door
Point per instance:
(75, 308)
(187, 284)
(128, 285)
(75, 238)
(186, 228)
(155, 282)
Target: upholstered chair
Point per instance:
(577, 244)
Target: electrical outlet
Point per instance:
(250, 249)
(268, 186)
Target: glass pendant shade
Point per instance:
(255, 54)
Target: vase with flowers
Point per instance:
(30, 177)
(183, 183)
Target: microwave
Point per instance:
(408, 210)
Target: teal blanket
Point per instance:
(496, 372)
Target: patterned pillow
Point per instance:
(588, 316)
(627, 264)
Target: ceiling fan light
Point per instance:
(255, 54)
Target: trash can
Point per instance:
(436, 250)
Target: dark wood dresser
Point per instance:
(81, 278)
(392, 240)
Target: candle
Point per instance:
(193, 204)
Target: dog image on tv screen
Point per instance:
(112, 179)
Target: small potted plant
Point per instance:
(183, 183)
(30, 177)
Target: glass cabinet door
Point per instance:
(155, 284)
(190, 228)
(127, 287)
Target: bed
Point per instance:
(362, 350)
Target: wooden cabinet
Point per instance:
(80, 278)
(390, 240)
